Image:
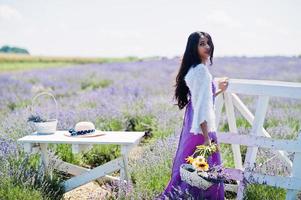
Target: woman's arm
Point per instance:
(206, 136)
(204, 129)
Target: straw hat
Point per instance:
(84, 129)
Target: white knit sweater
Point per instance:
(199, 81)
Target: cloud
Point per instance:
(220, 17)
(9, 13)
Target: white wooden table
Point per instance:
(127, 140)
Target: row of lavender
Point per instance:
(124, 93)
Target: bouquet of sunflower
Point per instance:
(198, 172)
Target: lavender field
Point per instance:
(132, 96)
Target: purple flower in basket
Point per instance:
(36, 118)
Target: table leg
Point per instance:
(45, 158)
(124, 173)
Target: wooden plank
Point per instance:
(265, 88)
(93, 174)
(77, 170)
(261, 109)
(110, 137)
(68, 167)
(292, 193)
(291, 183)
(259, 141)
(246, 113)
(253, 177)
(232, 126)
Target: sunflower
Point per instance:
(204, 166)
(189, 159)
(200, 165)
(200, 158)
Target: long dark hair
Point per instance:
(190, 58)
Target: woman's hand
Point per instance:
(223, 84)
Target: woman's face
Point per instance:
(203, 49)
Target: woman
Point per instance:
(195, 81)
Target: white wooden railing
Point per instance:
(258, 136)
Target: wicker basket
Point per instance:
(48, 127)
(189, 175)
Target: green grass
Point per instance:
(11, 191)
(240, 122)
(151, 180)
(64, 151)
(18, 105)
(97, 156)
(16, 62)
(93, 84)
(264, 192)
(21, 178)
(100, 155)
(112, 124)
(294, 124)
(17, 66)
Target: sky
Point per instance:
(144, 28)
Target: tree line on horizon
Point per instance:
(11, 49)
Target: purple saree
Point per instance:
(187, 143)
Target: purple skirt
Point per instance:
(188, 141)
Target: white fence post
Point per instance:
(232, 126)
(292, 194)
(261, 108)
(262, 105)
